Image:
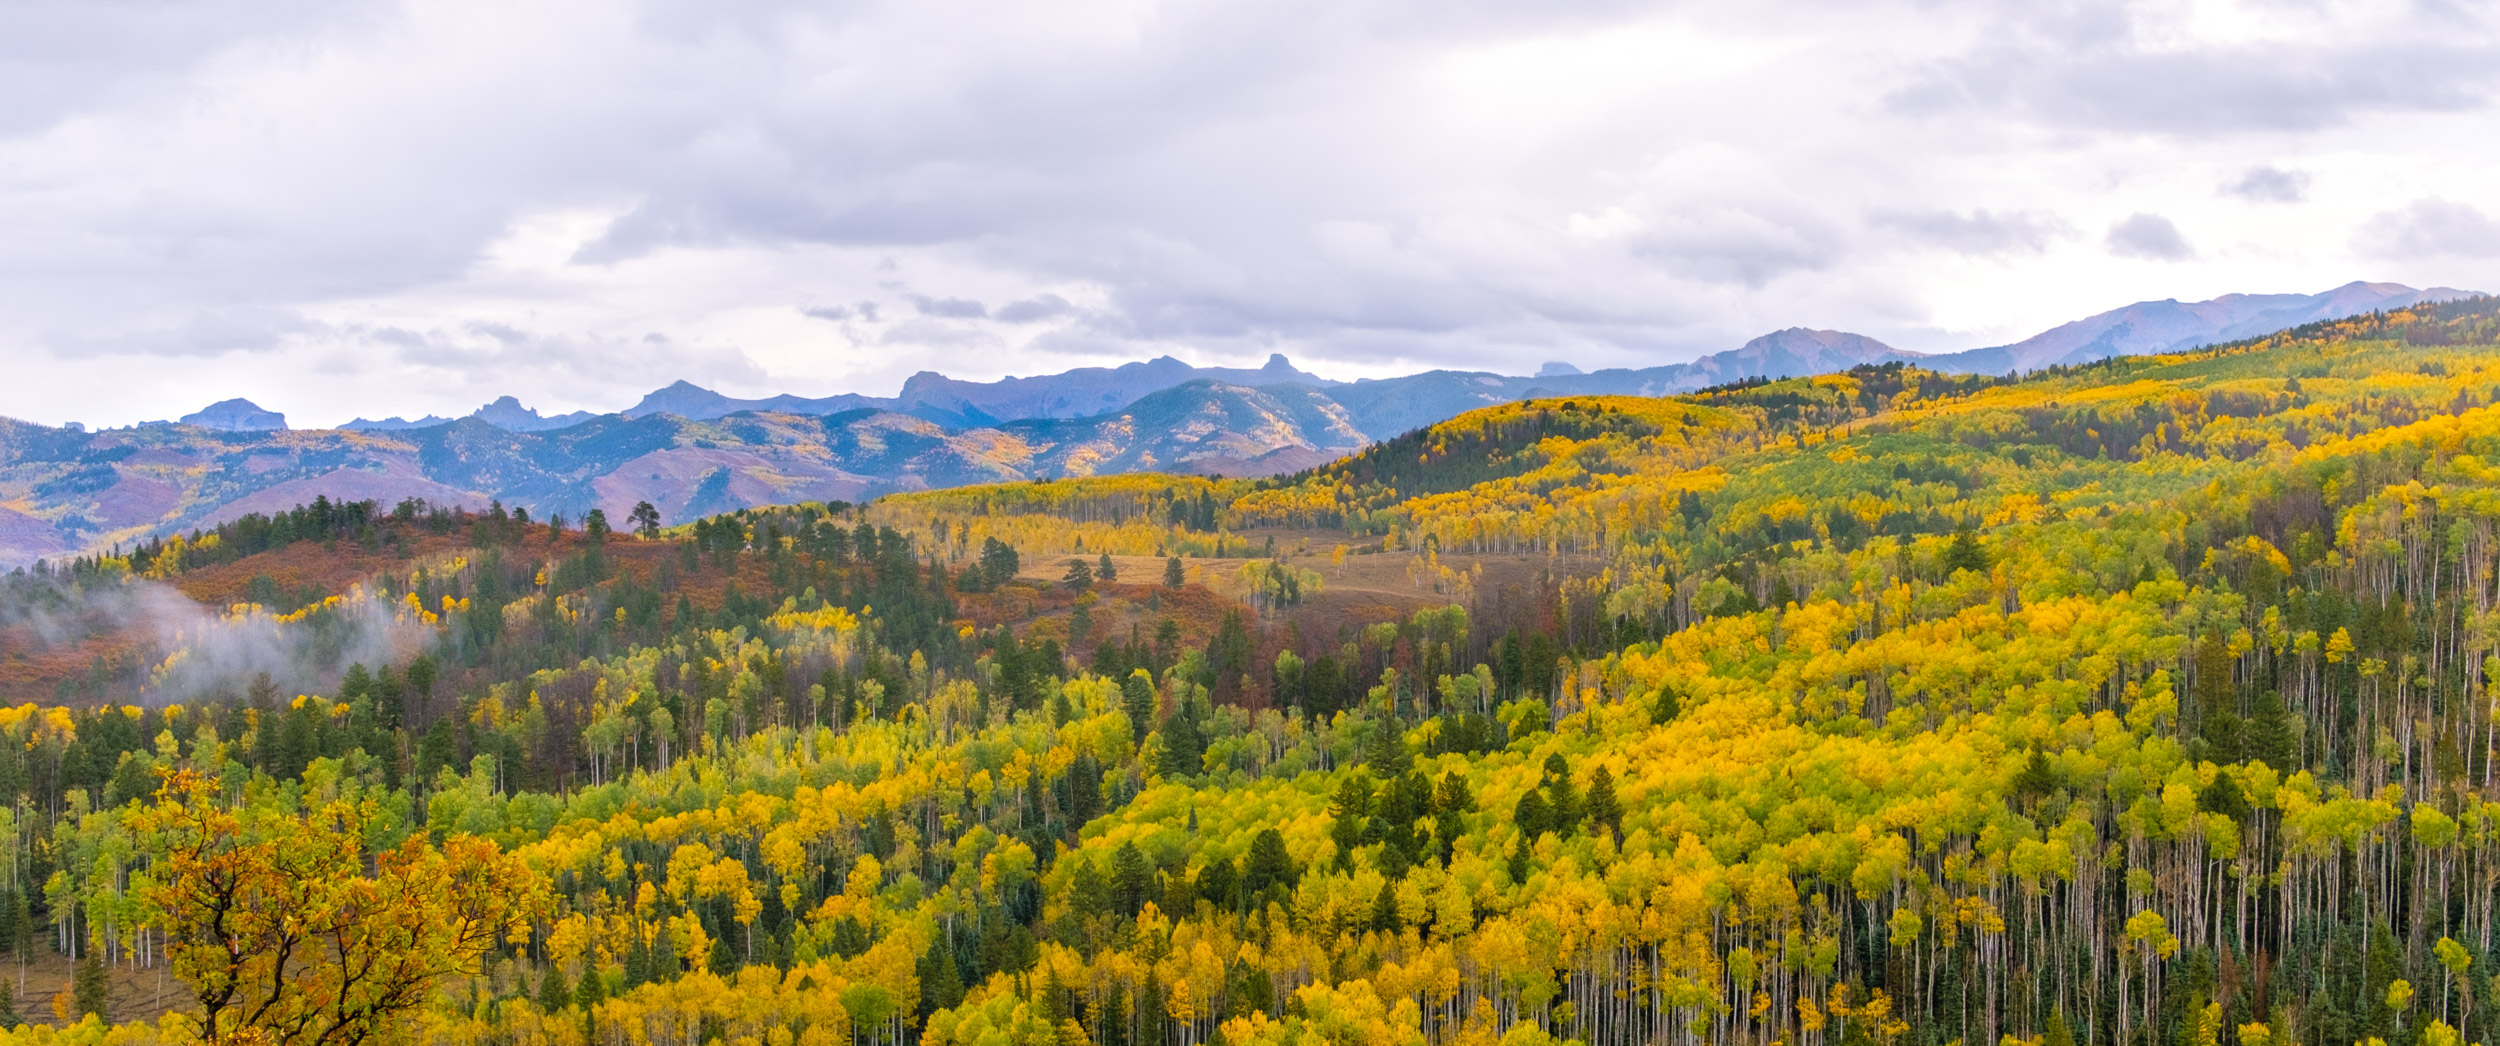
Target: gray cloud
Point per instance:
(2148, 236)
(2430, 229)
(1740, 245)
(950, 308)
(2270, 184)
(1978, 233)
(1033, 310)
(386, 207)
(2119, 65)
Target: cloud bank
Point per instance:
(386, 207)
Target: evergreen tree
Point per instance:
(1352, 803)
(593, 989)
(1184, 746)
(941, 986)
(91, 986)
(1386, 752)
(1154, 1023)
(1137, 698)
(2270, 734)
(1132, 880)
(1964, 553)
(1385, 916)
(2058, 1033)
(1604, 811)
(1173, 575)
(1111, 1024)
(1268, 868)
(1563, 809)
(1079, 576)
(1106, 570)
(1532, 814)
(553, 993)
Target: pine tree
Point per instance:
(1106, 570)
(1079, 576)
(1269, 867)
(593, 989)
(1132, 880)
(1347, 811)
(664, 964)
(2058, 1033)
(1111, 1023)
(2270, 737)
(941, 985)
(1603, 810)
(553, 994)
(1173, 575)
(1964, 553)
(1665, 707)
(1137, 698)
(1386, 753)
(1385, 916)
(91, 986)
(1154, 1024)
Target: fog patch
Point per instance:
(183, 652)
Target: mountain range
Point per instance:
(692, 451)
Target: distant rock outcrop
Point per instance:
(508, 414)
(395, 424)
(236, 415)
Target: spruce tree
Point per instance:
(1964, 553)
(1604, 810)
(553, 993)
(1385, 915)
(1154, 1025)
(91, 986)
(2058, 1033)
(593, 989)
(2270, 735)
(1132, 880)
(1137, 699)
(1111, 1023)
(941, 985)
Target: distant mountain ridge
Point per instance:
(1387, 406)
(692, 451)
(2171, 325)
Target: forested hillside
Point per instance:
(2143, 701)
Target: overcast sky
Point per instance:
(338, 207)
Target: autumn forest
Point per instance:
(2141, 702)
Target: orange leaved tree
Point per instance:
(289, 933)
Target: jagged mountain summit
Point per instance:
(1078, 393)
(505, 413)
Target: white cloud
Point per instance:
(395, 208)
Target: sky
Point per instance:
(342, 208)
